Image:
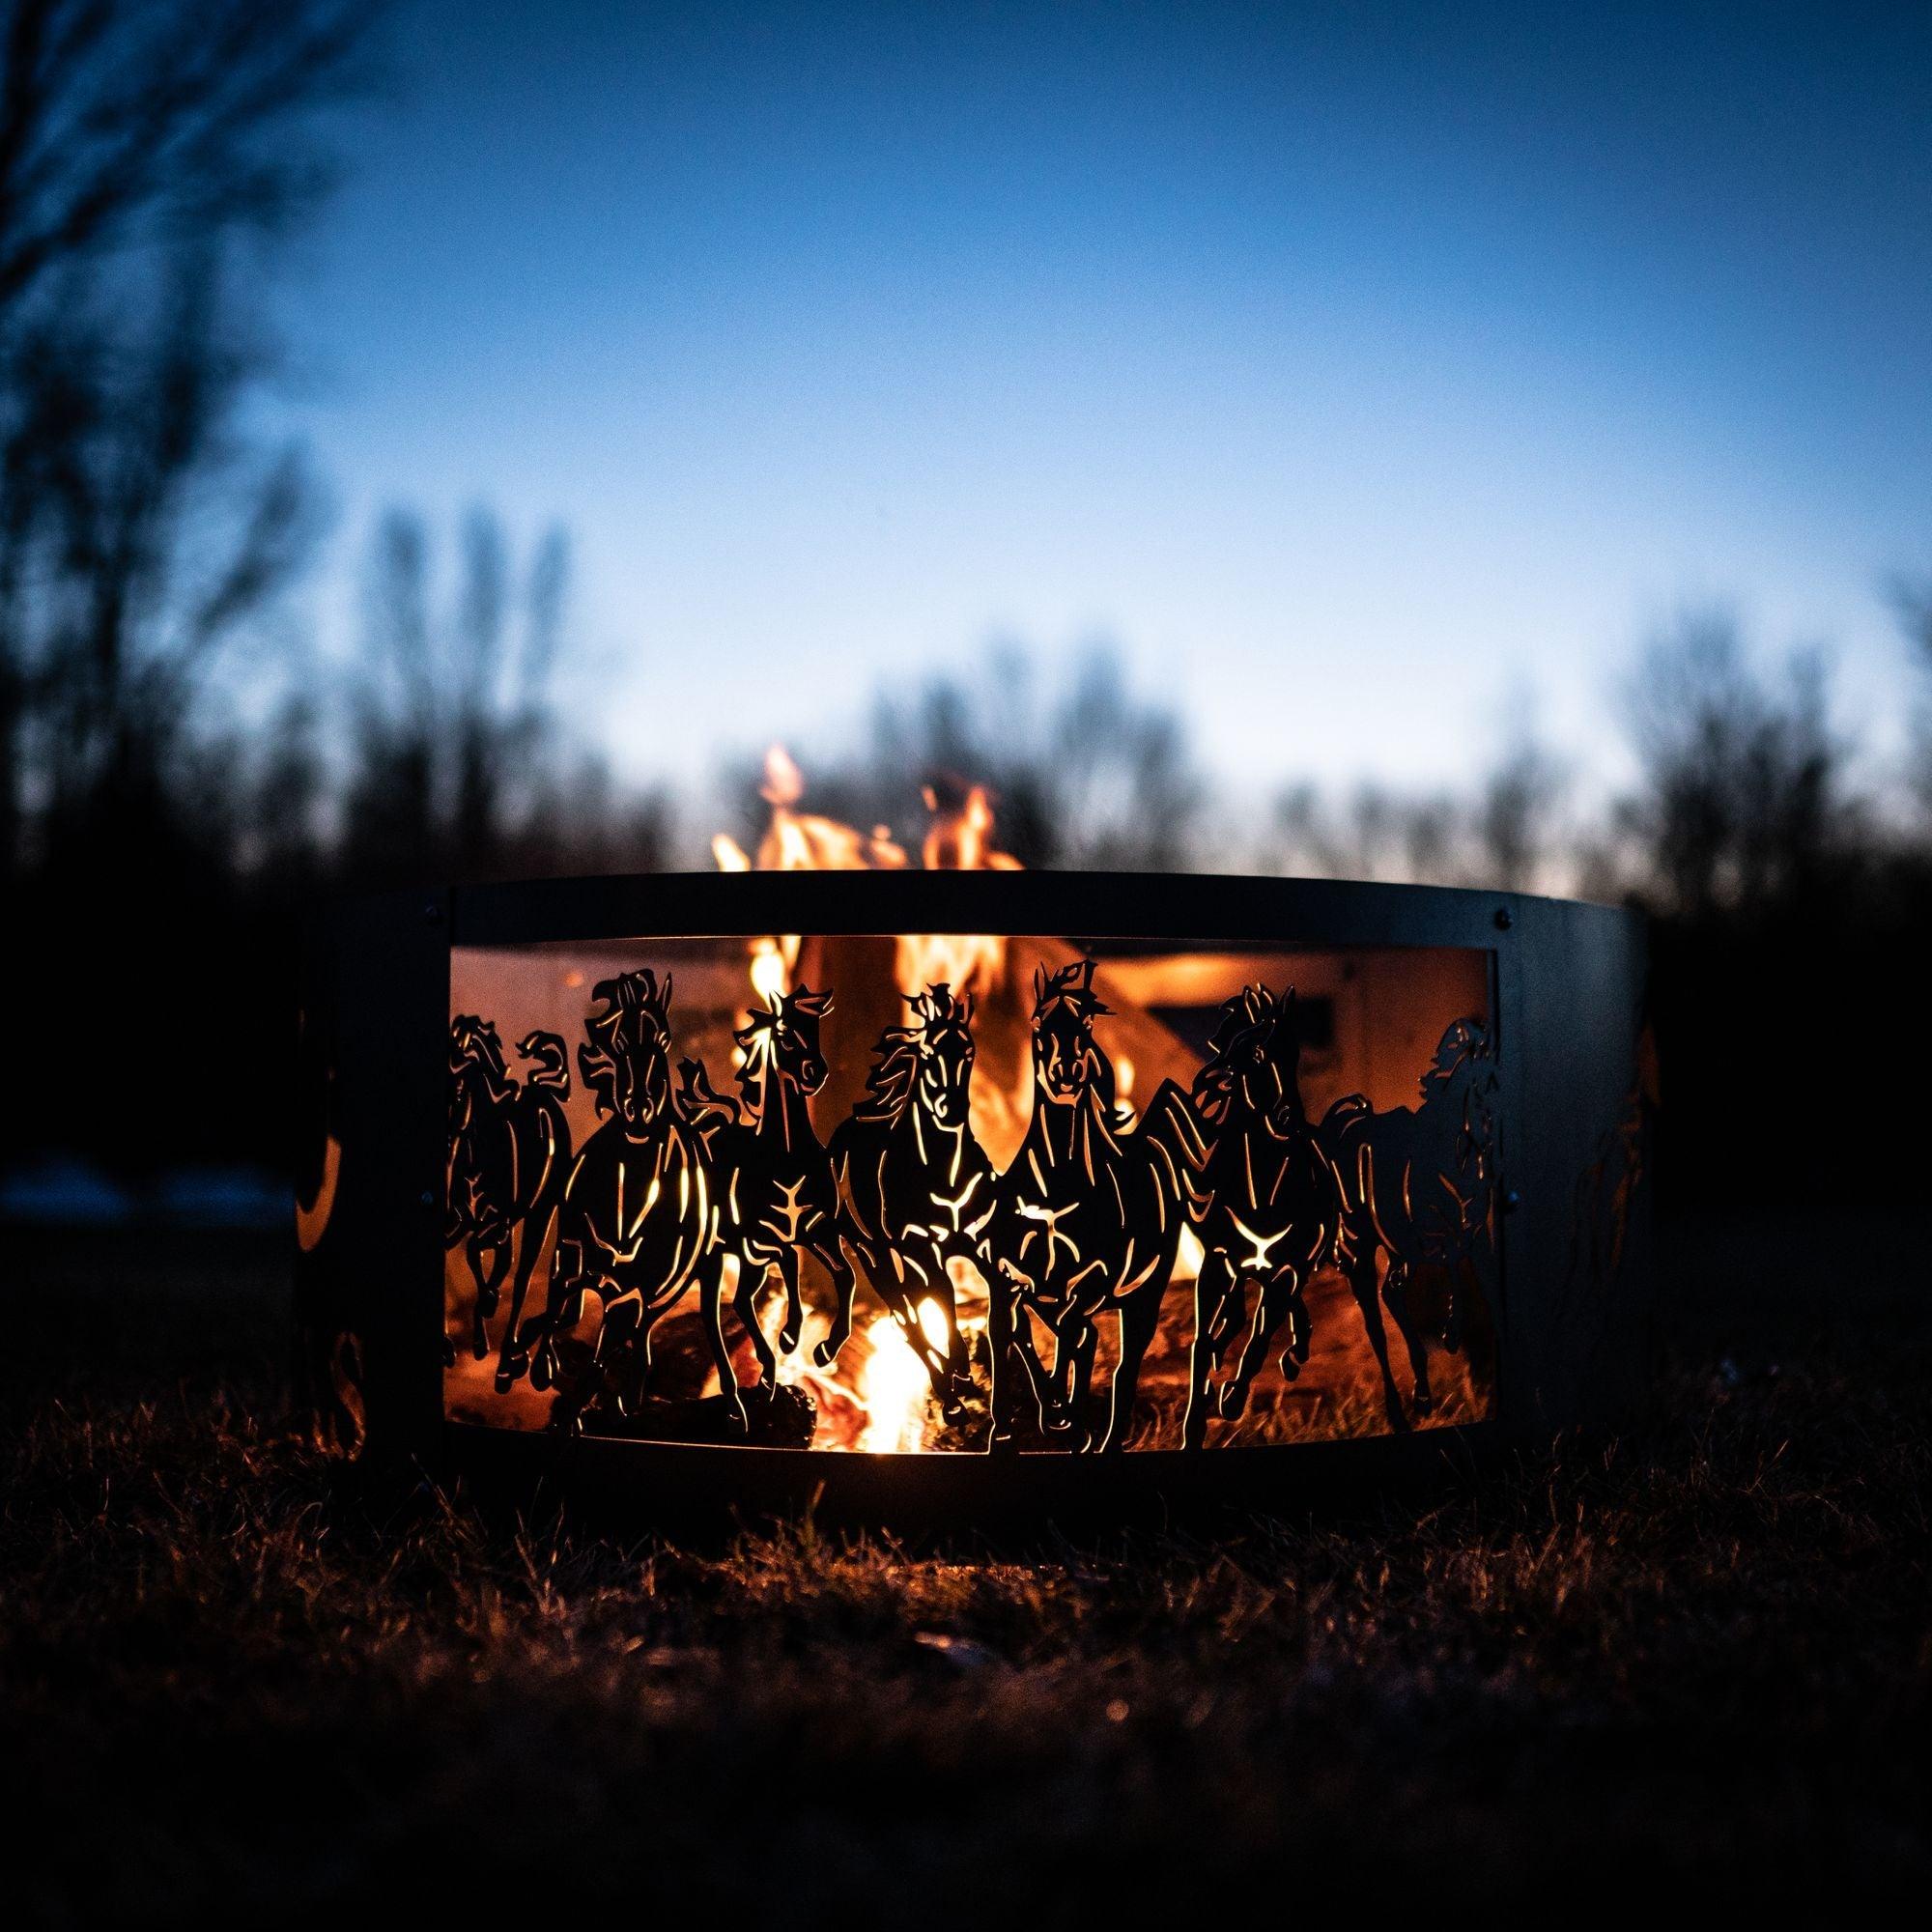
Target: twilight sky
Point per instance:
(1346, 364)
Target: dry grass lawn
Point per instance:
(1691, 1661)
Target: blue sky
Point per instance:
(1346, 365)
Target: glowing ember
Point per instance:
(884, 1410)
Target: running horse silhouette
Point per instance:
(914, 1187)
(1417, 1187)
(509, 1154)
(638, 1212)
(1277, 1204)
(1089, 1218)
(773, 1177)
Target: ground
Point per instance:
(1693, 1660)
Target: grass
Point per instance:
(1695, 1662)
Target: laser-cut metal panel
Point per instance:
(1582, 1109)
(1126, 1196)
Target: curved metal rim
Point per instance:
(1215, 908)
(674, 1482)
(1553, 958)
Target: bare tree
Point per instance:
(1743, 805)
(1516, 825)
(1375, 833)
(458, 768)
(139, 140)
(136, 539)
(1913, 600)
(1093, 776)
(128, 123)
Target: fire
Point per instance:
(958, 840)
(771, 961)
(961, 841)
(805, 841)
(883, 1409)
(892, 1385)
(878, 1397)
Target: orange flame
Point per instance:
(961, 841)
(958, 840)
(806, 841)
(886, 1406)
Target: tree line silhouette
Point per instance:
(181, 772)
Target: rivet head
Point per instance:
(431, 912)
(1512, 1200)
(427, 1198)
(1505, 918)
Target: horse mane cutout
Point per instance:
(761, 1024)
(893, 1077)
(475, 1040)
(1246, 1016)
(1462, 1041)
(628, 993)
(1074, 984)
(800, 1003)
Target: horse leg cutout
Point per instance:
(513, 1359)
(711, 1300)
(751, 1278)
(1368, 1298)
(1253, 1352)
(485, 1304)
(845, 1281)
(1211, 1287)
(1288, 1285)
(1395, 1291)
(794, 1320)
(1139, 1315)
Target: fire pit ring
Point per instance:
(1055, 1195)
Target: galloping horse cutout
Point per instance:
(509, 1153)
(1089, 1218)
(773, 1177)
(1277, 1202)
(638, 1212)
(915, 1186)
(1417, 1186)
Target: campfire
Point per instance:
(837, 1152)
(954, 1190)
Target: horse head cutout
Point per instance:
(1068, 1067)
(1254, 1063)
(943, 1040)
(476, 1053)
(925, 1067)
(1464, 1075)
(626, 1059)
(781, 1044)
(549, 1060)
